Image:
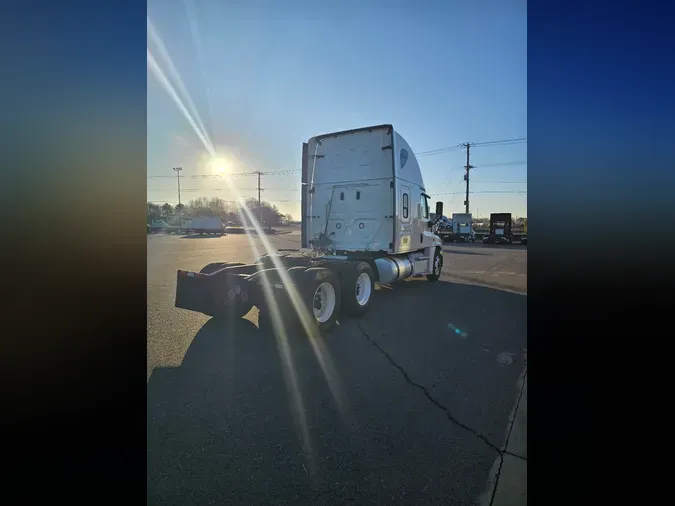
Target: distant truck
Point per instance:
(444, 228)
(500, 229)
(519, 231)
(462, 227)
(157, 226)
(206, 225)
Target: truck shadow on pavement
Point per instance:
(446, 249)
(514, 246)
(407, 405)
(197, 236)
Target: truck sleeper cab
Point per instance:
(365, 219)
(462, 227)
(500, 229)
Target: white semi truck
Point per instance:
(365, 220)
(462, 227)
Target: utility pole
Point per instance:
(180, 212)
(259, 201)
(259, 174)
(468, 166)
(178, 169)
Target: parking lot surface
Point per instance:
(409, 405)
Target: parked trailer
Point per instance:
(206, 225)
(365, 220)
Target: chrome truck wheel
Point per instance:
(438, 266)
(364, 287)
(324, 302)
(323, 296)
(358, 287)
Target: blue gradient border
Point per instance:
(601, 163)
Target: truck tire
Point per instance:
(358, 287)
(438, 266)
(322, 296)
(222, 311)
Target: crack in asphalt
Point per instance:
(499, 264)
(515, 412)
(499, 472)
(506, 443)
(436, 403)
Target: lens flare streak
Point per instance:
(161, 77)
(173, 72)
(290, 376)
(307, 320)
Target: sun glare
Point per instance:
(220, 165)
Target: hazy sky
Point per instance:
(268, 76)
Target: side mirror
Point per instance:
(439, 209)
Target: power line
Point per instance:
(258, 173)
(485, 191)
(499, 182)
(473, 181)
(281, 172)
(214, 176)
(237, 174)
(458, 147)
(169, 190)
(500, 164)
(502, 142)
(454, 194)
(515, 192)
(226, 189)
(439, 151)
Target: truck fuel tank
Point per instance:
(399, 267)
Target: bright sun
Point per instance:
(220, 165)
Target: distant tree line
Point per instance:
(264, 212)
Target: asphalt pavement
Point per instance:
(409, 405)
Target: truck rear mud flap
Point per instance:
(209, 293)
